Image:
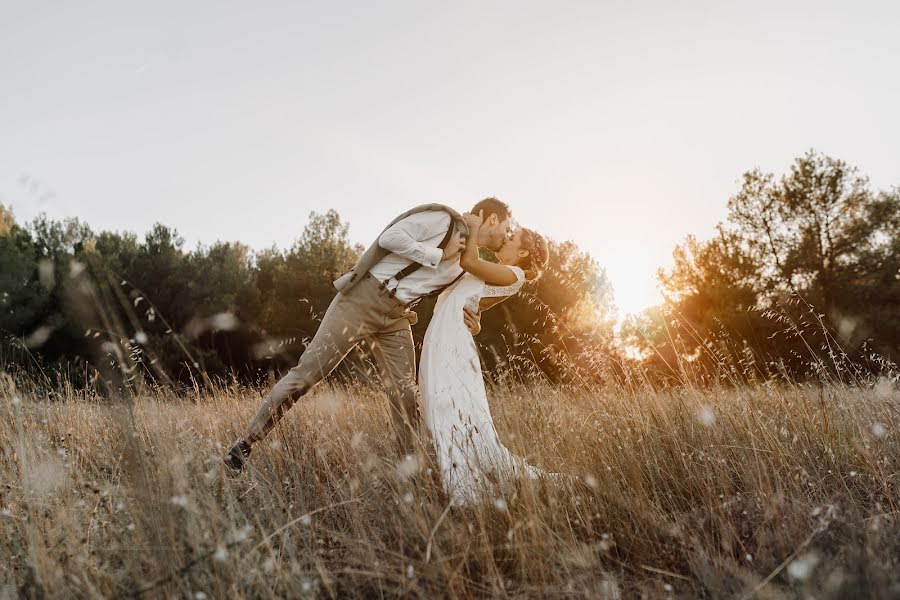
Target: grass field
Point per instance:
(781, 491)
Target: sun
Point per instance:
(635, 288)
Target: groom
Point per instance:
(416, 256)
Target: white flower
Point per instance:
(409, 466)
(706, 416)
(221, 553)
(224, 321)
(500, 504)
(410, 571)
(879, 430)
(179, 501)
(802, 567)
(591, 481)
(241, 535)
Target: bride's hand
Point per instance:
(472, 220)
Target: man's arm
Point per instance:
(404, 238)
(472, 319)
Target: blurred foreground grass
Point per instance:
(781, 491)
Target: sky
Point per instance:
(620, 126)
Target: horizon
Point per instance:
(624, 129)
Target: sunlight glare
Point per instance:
(635, 286)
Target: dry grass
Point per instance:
(771, 492)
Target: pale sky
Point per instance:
(621, 126)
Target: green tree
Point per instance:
(803, 269)
(24, 301)
(295, 286)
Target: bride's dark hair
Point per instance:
(538, 254)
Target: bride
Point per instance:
(453, 392)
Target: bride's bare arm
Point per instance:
(487, 303)
(488, 272)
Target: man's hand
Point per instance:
(454, 247)
(472, 320)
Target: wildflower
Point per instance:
(199, 596)
(241, 535)
(408, 498)
(801, 568)
(749, 558)
(223, 321)
(327, 402)
(305, 520)
(590, 481)
(275, 445)
(500, 504)
(884, 388)
(410, 571)
(179, 501)
(879, 430)
(706, 416)
(409, 466)
(221, 553)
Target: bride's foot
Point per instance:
(237, 457)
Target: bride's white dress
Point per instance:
(454, 396)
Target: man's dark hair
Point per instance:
(492, 206)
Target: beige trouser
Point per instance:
(368, 312)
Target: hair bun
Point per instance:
(538, 254)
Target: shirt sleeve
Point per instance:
(405, 237)
(495, 291)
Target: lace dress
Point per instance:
(454, 397)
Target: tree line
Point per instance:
(801, 279)
(76, 303)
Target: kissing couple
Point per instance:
(430, 250)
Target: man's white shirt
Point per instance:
(416, 239)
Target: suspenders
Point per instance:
(413, 267)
